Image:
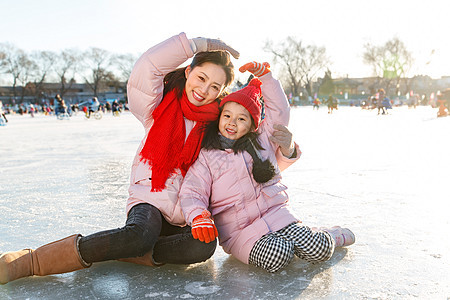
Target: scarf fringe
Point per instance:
(165, 149)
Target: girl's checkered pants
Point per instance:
(275, 250)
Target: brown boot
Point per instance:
(146, 260)
(15, 265)
(55, 258)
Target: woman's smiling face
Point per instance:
(235, 121)
(204, 83)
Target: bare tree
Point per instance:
(29, 68)
(65, 67)
(16, 63)
(390, 61)
(44, 61)
(301, 63)
(98, 61)
(2, 57)
(124, 63)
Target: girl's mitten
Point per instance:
(203, 228)
(257, 69)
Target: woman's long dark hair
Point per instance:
(177, 78)
(263, 170)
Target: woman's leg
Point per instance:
(146, 230)
(176, 245)
(58, 257)
(136, 238)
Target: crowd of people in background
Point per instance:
(57, 106)
(378, 101)
(382, 103)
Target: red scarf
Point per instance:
(165, 149)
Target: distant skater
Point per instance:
(60, 105)
(381, 101)
(316, 103)
(330, 104)
(2, 113)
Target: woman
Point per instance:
(172, 104)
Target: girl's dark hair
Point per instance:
(262, 171)
(177, 78)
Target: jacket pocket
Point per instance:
(230, 221)
(274, 189)
(142, 174)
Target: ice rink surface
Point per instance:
(384, 176)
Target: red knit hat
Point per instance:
(248, 97)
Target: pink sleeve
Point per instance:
(196, 189)
(283, 161)
(276, 105)
(277, 111)
(145, 85)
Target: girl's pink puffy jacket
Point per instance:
(221, 182)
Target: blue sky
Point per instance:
(132, 26)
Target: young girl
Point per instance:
(236, 180)
(172, 104)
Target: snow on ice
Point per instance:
(385, 177)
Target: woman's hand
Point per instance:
(283, 137)
(256, 68)
(204, 44)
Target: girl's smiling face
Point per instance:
(235, 121)
(204, 83)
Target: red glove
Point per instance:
(203, 228)
(256, 68)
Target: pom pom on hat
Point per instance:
(249, 98)
(255, 82)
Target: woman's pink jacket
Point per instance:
(221, 182)
(145, 92)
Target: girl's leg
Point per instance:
(309, 245)
(272, 252)
(136, 238)
(176, 245)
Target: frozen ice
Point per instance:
(385, 177)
